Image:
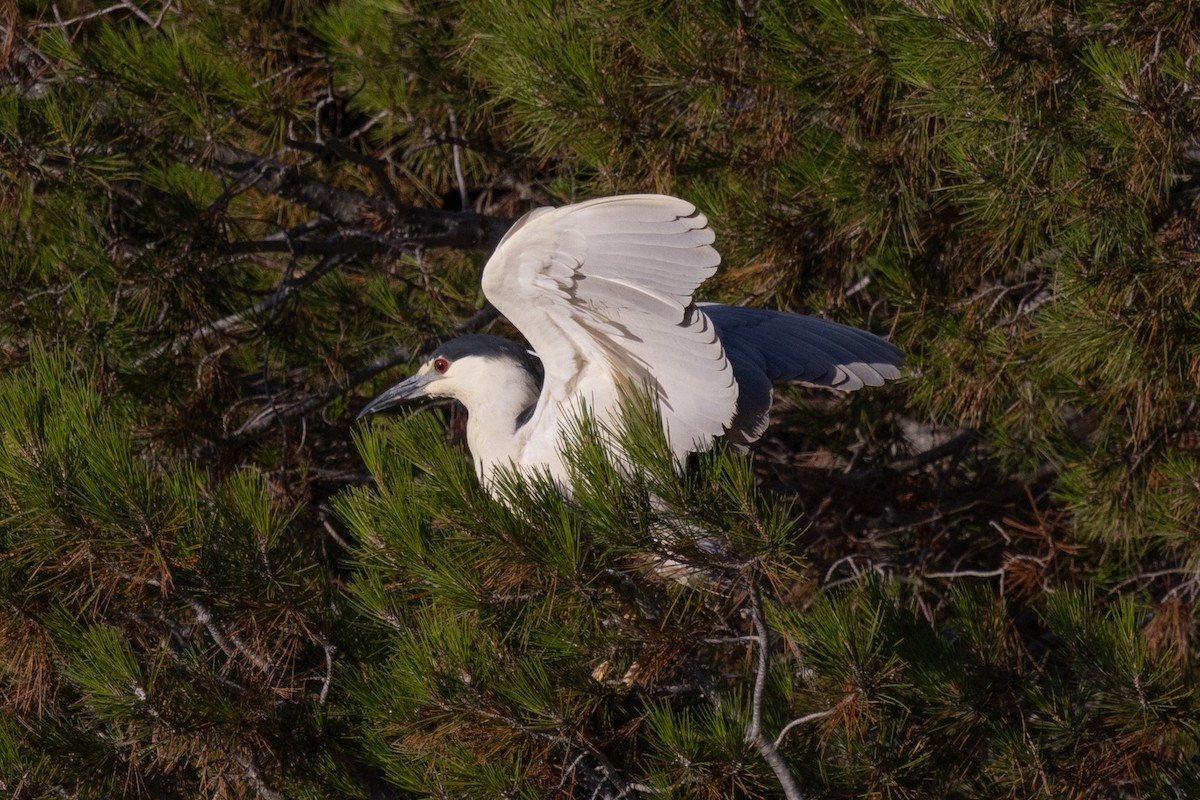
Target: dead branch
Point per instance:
(754, 729)
(401, 226)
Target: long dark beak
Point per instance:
(404, 390)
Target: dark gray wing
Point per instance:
(767, 347)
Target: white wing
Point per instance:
(602, 291)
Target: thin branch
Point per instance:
(239, 318)
(754, 734)
(336, 147)
(231, 643)
(124, 5)
(142, 15)
(323, 513)
(813, 717)
(966, 573)
(456, 155)
(400, 225)
(62, 23)
(162, 13)
(609, 769)
(957, 446)
(264, 790)
(345, 244)
(330, 648)
(762, 635)
(1155, 575)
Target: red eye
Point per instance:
(441, 365)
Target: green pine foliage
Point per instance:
(500, 680)
(152, 619)
(213, 583)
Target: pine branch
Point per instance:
(400, 225)
(268, 304)
(813, 717)
(754, 730)
(336, 147)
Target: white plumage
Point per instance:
(602, 291)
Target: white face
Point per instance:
(480, 381)
(438, 375)
(498, 383)
(474, 380)
(461, 378)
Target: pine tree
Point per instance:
(221, 225)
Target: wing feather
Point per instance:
(602, 290)
(772, 346)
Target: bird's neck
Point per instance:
(493, 434)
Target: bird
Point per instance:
(602, 291)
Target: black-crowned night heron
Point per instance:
(602, 290)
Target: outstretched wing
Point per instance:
(768, 347)
(602, 290)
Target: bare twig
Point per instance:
(239, 318)
(330, 648)
(813, 717)
(336, 147)
(456, 154)
(62, 23)
(762, 635)
(961, 443)
(966, 573)
(142, 15)
(162, 13)
(343, 244)
(124, 5)
(264, 790)
(231, 643)
(754, 730)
